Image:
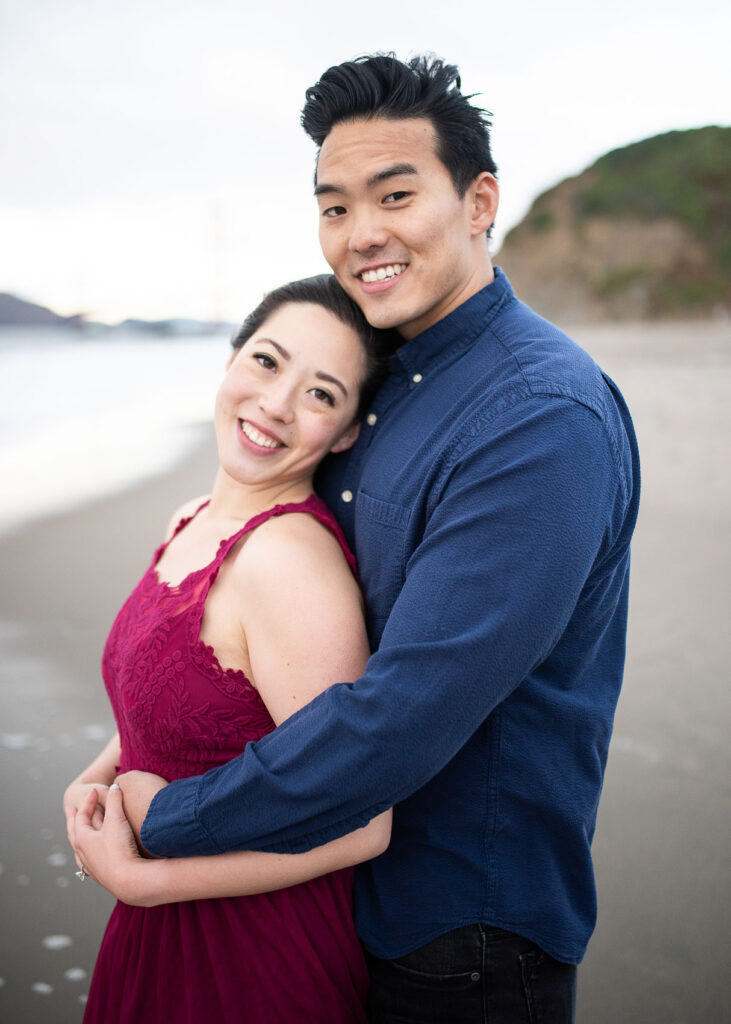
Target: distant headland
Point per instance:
(20, 313)
(642, 234)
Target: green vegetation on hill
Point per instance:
(644, 231)
(685, 176)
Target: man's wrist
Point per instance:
(171, 827)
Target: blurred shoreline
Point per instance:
(661, 849)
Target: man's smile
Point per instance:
(374, 274)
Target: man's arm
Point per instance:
(520, 522)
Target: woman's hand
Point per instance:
(108, 852)
(74, 797)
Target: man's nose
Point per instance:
(367, 231)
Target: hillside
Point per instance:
(641, 234)
(19, 312)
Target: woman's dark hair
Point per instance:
(379, 85)
(323, 290)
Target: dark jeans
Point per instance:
(473, 975)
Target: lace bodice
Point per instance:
(178, 710)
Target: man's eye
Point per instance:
(322, 396)
(395, 197)
(334, 211)
(265, 360)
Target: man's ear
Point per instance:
(484, 198)
(348, 439)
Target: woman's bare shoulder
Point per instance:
(186, 510)
(298, 549)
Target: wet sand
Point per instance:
(661, 946)
(63, 581)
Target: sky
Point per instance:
(152, 164)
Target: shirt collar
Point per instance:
(457, 330)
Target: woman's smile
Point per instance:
(257, 437)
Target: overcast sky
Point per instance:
(152, 162)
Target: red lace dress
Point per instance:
(282, 957)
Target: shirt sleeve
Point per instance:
(520, 518)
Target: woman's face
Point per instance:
(289, 396)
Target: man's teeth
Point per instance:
(392, 270)
(261, 439)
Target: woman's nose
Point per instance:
(277, 402)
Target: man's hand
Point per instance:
(138, 789)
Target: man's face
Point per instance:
(398, 237)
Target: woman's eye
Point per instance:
(265, 360)
(322, 396)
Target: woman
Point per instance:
(248, 610)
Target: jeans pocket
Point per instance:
(401, 995)
(549, 987)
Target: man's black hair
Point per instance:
(380, 85)
(324, 290)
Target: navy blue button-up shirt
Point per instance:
(490, 500)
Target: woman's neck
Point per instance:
(231, 499)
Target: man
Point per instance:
(491, 498)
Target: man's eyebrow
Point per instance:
(321, 190)
(391, 172)
(388, 172)
(321, 375)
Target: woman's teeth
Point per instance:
(258, 438)
(392, 270)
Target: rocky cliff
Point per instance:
(641, 234)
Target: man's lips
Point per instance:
(382, 272)
(380, 278)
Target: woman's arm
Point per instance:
(99, 773)
(109, 854)
(304, 630)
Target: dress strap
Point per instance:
(312, 504)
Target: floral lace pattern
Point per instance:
(179, 712)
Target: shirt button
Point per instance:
(371, 419)
(475, 976)
(417, 378)
(347, 496)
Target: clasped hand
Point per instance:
(103, 825)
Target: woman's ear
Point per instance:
(348, 439)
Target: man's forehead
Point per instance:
(369, 148)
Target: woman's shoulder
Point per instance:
(297, 551)
(185, 511)
(298, 535)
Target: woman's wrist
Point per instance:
(141, 883)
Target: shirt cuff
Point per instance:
(171, 827)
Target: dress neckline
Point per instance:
(224, 545)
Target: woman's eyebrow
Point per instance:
(321, 375)
(280, 348)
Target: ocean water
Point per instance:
(82, 415)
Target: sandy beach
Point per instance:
(661, 948)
